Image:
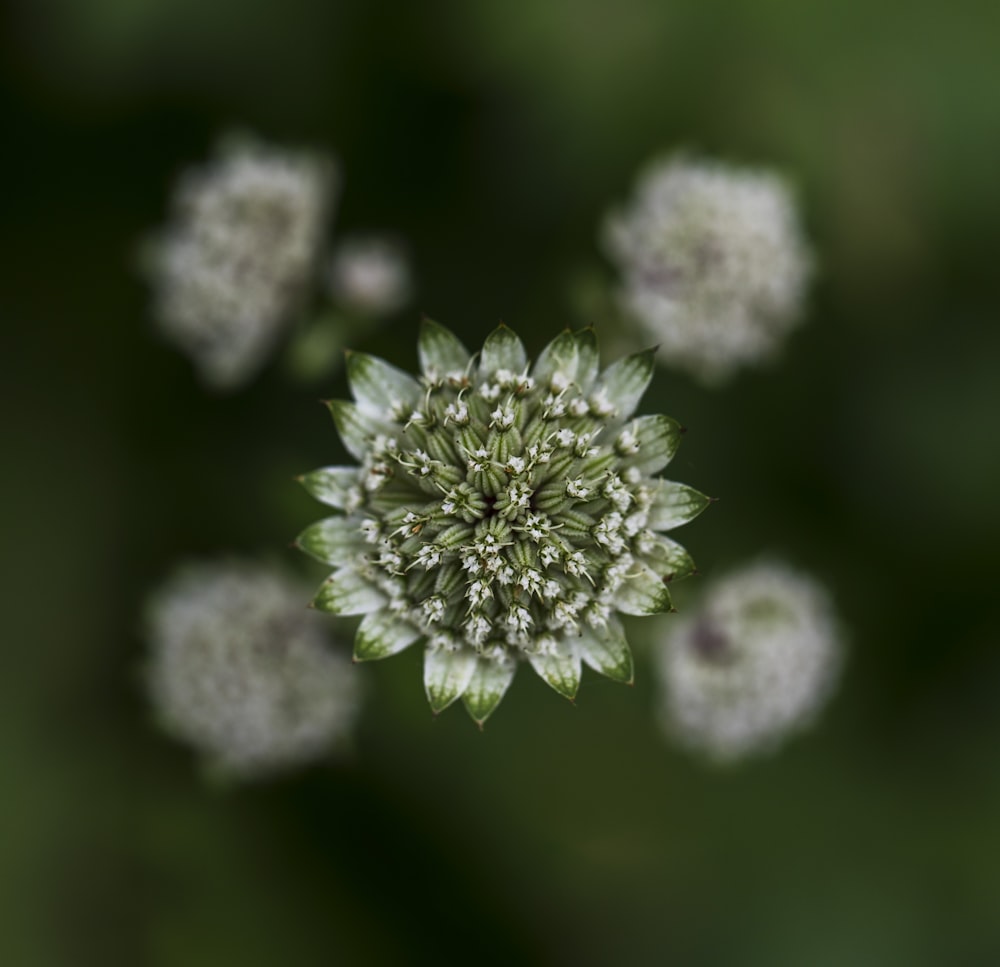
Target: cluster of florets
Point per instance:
(370, 275)
(242, 671)
(501, 512)
(235, 262)
(713, 262)
(753, 665)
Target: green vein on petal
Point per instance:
(643, 593)
(560, 670)
(440, 350)
(502, 350)
(606, 651)
(658, 438)
(332, 540)
(625, 381)
(490, 680)
(668, 558)
(356, 428)
(345, 592)
(376, 385)
(331, 485)
(674, 504)
(447, 675)
(382, 634)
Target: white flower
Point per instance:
(713, 264)
(433, 608)
(241, 671)
(752, 666)
(238, 256)
(457, 412)
(495, 544)
(370, 275)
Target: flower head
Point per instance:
(370, 275)
(754, 665)
(239, 254)
(502, 512)
(241, 670)
(713, 263)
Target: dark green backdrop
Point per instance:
(492, 135)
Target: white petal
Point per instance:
(346, 592)
(675, 504)
(331, 485)
(382, 634)
(625, 381)
(440, 350)
(671, 561)
(607, 651)
(573, 355)
(447, 675)
(490, 680)
(356, 427)
(658, 438)
(502, 350)
(643, 593)
(561, 670)
(333, 540)
(376, 385)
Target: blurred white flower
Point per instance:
(370, 275)
(241, 670)
(752, 666)
(713, 264)
(239, 255)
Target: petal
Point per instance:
(624, 382)
(381, 634)
(490, 680)
(558, 356)
(502, 350)
(440, 351)
(607, 651)
(643, 593)
(447, 675)
(331, 485)
(346, 592)
(560, 670)
(356, 427)
(588, 360)
(658, 438)
(333, 540)
(573, 354)
(377, 386)
(671, 561)
(675, 504)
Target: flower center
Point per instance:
(497, 510)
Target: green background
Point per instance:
(493, 136)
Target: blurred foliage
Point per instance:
(492, 137)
